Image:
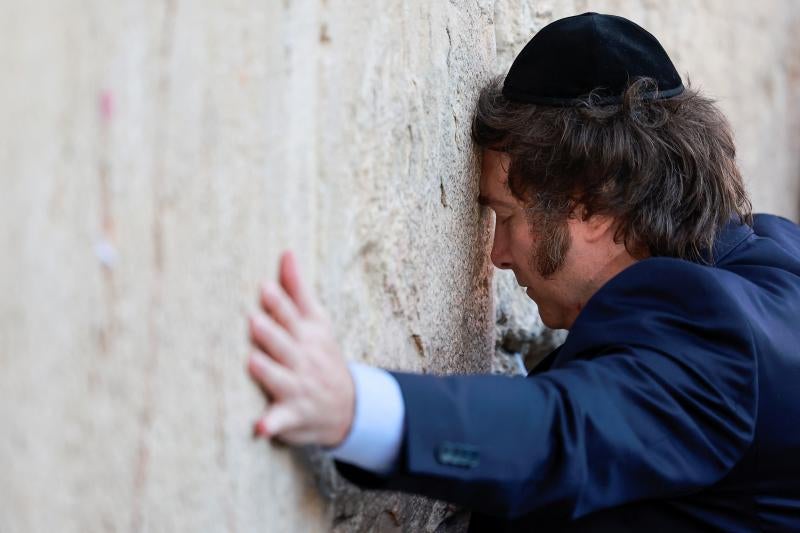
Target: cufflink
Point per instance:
(457, 454)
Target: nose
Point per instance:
(500, 251)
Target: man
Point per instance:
(672, 405)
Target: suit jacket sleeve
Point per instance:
(658, 400)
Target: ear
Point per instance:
(593, 227)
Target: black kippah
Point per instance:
(573, 56)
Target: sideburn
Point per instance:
(554, 243)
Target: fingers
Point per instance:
(274, 378)
(272, 339)
(295, 287)
(279, 419)
(278, 305)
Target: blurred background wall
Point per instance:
(156, 157)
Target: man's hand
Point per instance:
(298, 363)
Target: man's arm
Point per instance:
(661, 405)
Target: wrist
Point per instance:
(345, 426)
(374, 436)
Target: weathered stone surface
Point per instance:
(156, 157)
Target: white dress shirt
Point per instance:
(376, 434)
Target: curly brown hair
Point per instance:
(664, 169)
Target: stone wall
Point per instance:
(156, 157)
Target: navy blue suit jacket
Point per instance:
(674, 404)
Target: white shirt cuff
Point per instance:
(376, 433)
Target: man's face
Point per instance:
(518, 247)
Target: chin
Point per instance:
(547, 318)
(547, 321)
(550, 320)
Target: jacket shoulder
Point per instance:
(669, 306)
(655, 285)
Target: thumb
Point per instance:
(276, 421)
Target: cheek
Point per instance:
(523, 244)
